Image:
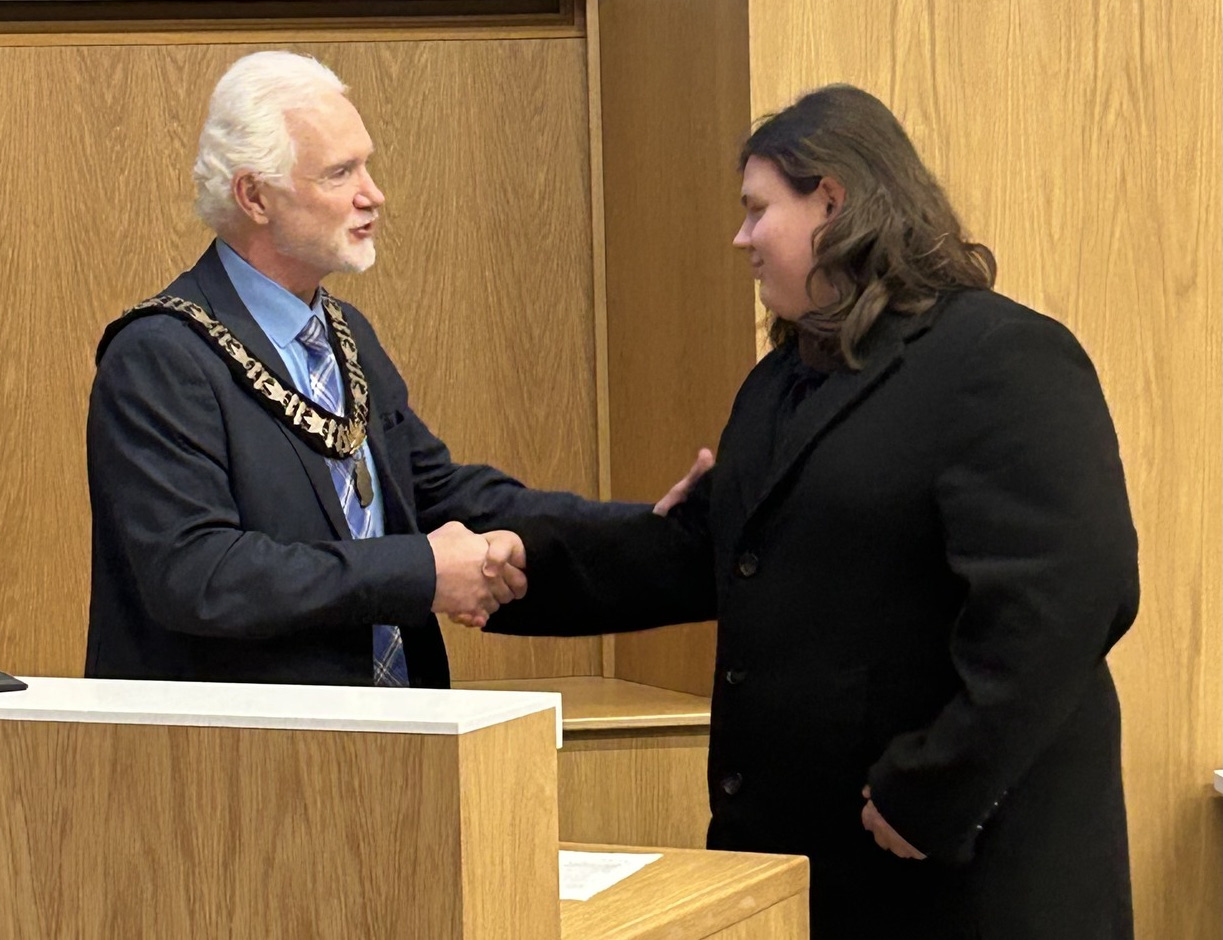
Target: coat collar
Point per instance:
(881, 354)
(225, 304)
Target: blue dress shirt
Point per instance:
(282, 316)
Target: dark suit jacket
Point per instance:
(915, 588)
(220, 551)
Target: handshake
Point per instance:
(476, 574)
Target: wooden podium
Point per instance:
(157, 809)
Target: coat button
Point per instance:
(735, 676)
(748, 565)
(731, 784)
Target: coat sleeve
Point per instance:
(482, 497)
(588, 575)
(1037, 525)
(158, 467)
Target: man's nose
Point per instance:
(369, 196)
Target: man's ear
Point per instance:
(250, 195)
(830, 195)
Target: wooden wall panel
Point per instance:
(675, 110)
(1082, 142)
(641, 787)
(482, 291)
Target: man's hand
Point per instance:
(885, 836)
(506, 564)
(476, 574)
(679, 492)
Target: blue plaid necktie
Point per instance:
(390, 667)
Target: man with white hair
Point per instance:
(266, 505)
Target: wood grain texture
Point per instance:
(482, 292)
(277, 34)
(598, 257)
(640, 787)
(592, 703)
(679, 657)
(510, 866)
(788, 918)
(675, 107)
(155, 831)
(695, 894)
(110, 12)
(487, 656)
(632, 768)
(1082, 143)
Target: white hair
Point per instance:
(245, 130)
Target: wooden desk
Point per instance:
(696, 895)
(164, 809)
(168, 809)
(631, 770)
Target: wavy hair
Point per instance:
(245, 129)
(895, 244)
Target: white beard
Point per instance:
(329, 256)
(359, 257)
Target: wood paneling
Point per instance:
(482, 291)
(476, 655)
(640, 787)
(598, 255)
(788, 918)
(268, 35)
(503, 846)
(696, 895)
(679, 657)
(155, 831)
(111, 12)
(675, 108)
(1082, 142)
(592, 703)
(632, 768)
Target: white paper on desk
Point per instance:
(585, 874)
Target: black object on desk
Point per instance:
(9, 684)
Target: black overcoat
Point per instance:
(916, 581)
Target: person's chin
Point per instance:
(781, 312)
(359, 258)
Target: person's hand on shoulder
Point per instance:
(885, 836)
(679, 492)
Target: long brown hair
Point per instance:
(896, 243)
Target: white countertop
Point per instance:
(292, 707)
(1219, 780)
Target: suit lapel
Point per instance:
(881, 355)
(395, 512)
(227, 307)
